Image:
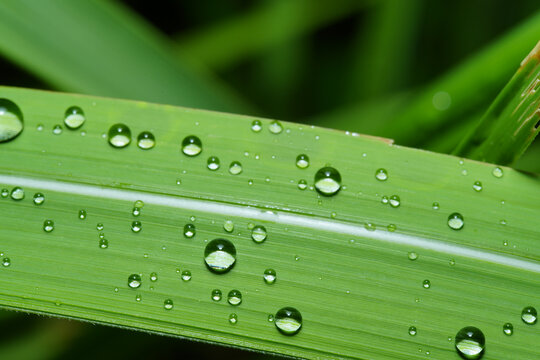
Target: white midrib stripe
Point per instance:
(273, 216)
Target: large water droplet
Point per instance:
(258, 234)
(11, 120)
(381, 174)
(327, 181)
(168, 304)
(119, 135)
(213, 163)
(39, 198)
(456, 221)
(256, 125)
(412, 330)
(470, 342)
(269, 276)
(233, 318)
(186, 275)
(529, 315)
(191, 145)
(136, 226)
(275, 127)
(146, 140)
(302, 161)
(228, 226)
(477, 186)
(6, 262)
(220, 255)
(497, 172)
(189, 230)
(48, 225)
(288, 321)
(74, 118)
(17, 193)
(134, 281)
(235, 168)
(508, 329)
(216, 295)
(234, 297)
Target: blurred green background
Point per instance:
(419, 71)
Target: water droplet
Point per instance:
(119, 135)
(275, 127)
(452, 262)
(228, 226)
(99, 226)
(477, 186)
(235, 168)
(39, 198)
(220, 255)
(426, 284)
(153, 277)
(74, 118)
(136, 226)
(412, 255)
(302, 184)
(296, 257)
(17, 193)
(256, 125)
(381, 174)
(234, 297)
(191, 145)
(186, 275)
(189, 230)
(508, 329)
(302, 161)
(82, 214)
(497, 172)
(270, 318)
(412, 330)
(384, 199)
(139, 204)
(4, 193)
(470, 342)
(168, 304)
(394, 201)
(11, 120)
(327, 181)
(6, 262)
(269, 276)
(57, 130)
(138, 298)
(136, 211)
(103, 243)
(233, 318)
(370, 226)
(529, 315)
(435, 206)
(213, 163)
(288, 321)
(146, 140)
(216, 295)
(48, 225)
(258, 234)
(134, 281)
(39, 127)
(456, 221)
(391, 227)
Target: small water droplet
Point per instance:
(153, 277)
(384, 199)
(302, 184)
(39, 127)
(529, 315)
(275, 127)
(270, 318)
(146, 140)
(168, 304)
(228, 226)
(4, 193)
(288, 321)
(426, 284)
(48, 225)
(11, 120)
(391, 227)
(327, 181)
(452, 262)
(103, 243)
(381, 174)
(394, 201)
(39, 198)
(302, 161)
(235, 168)
(136, 211)
(99, 226)
(216, 295)
(139, 204)
(233, 318)
(456, 221)
(470, 342)
(138, 298)
(6, 262)
(82, 214)
(136, 226)
(134, 281)
(119, 135)
(508, 329)
(497, 172)
(258, 234)
(435, 206)
(296, 257)
(191, 145)
(234, 297)
(17, 193)
(370, 226)
(220, 255)
(186, 275)
(477, 186)
(189, 231)
(74, 118)
(213, 163)
(412, 330)
(256, 126)
(270, 276)
(412, 255)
